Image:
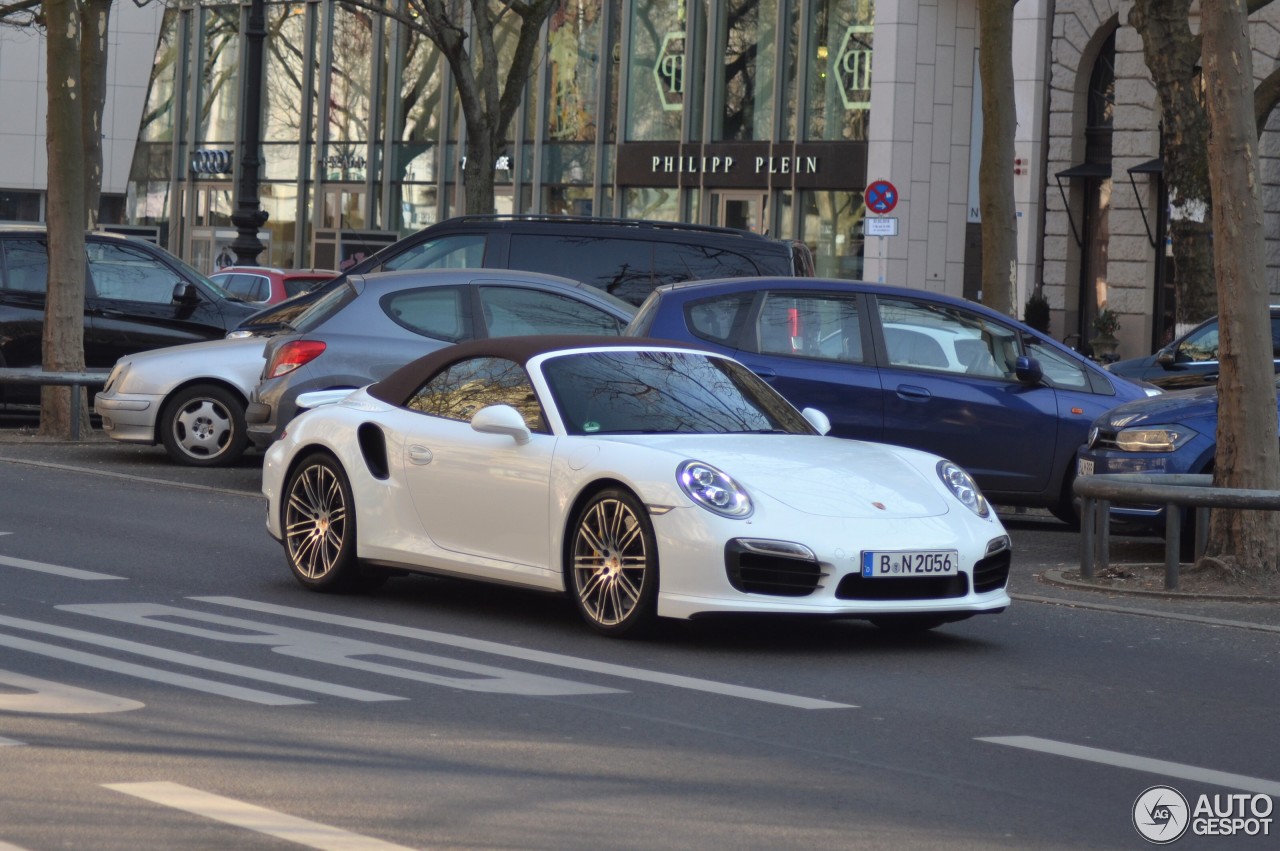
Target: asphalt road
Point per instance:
(164, 683)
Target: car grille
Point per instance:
(855, 586)
(776, 569)
(992, 572)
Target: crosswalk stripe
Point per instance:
(251, 817)
(1139, 763)
(55, 569)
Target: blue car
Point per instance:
(910, 367)
(1175, 433)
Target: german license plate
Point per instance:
(876, 564)
(1085, 468)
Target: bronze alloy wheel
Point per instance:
(319, 521)
(615, 565)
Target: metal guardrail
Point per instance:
(1173, 490)
(74, 380)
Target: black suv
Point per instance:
(627, 258)
(137, 296)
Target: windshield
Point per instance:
(655, 392)
(327, 305)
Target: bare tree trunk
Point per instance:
(1248, 455)
(995, 173)
(63, 340)
(94, 17)
(1172, 54)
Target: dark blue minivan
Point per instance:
(910, 367)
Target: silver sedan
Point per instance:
(189, 398)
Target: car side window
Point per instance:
(1059, 370)
(513, 311)
(459, 251)
(443, 313)
(461, 389)
(26, 263)
(718, 319)
(620, 267)
(244, 286)
(812, 325)
(1275, 337)
(682, 262)
(1200, 345)
(923, 335)
(122, 273)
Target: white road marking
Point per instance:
(251, 817)
(8, 846)
(1139, 763)
(57, 570)
(344, 652)
(5, 743)
(50, 698)
(539, 656)
(128, 669)
(194, 661)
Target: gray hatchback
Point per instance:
(371, 325)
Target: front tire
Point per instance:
(203, 426)
(613, 564)
(319, 520)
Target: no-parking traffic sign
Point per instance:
(881, 197)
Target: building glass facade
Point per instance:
(745, 113)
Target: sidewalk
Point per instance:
(1046, 552)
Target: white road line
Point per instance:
(1139, 763)
(191, 660)
(539, 656)
(250, 817)
(5, 743)
(47, 697)
(57, 570)
(129, 669)
(8, 846)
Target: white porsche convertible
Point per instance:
(644, 479)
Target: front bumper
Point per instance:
(128, 418)
(831, 585)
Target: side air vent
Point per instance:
(373, 446)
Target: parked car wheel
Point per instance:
(614, 575)
(203, 426)
(320, 529)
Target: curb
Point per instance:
(1056, 577)
(1150, 613)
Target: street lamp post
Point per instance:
(248, 216)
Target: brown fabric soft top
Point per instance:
(399, 386)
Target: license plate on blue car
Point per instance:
(1085, 467)
(877, 564)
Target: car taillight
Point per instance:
(292, 355)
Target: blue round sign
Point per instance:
(881, 197)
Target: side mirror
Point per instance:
(817, 419)
(1027, 370)
(502, 419)
(185, 292)
(1166, 357)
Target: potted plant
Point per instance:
(1104, 342)
(1036, 313)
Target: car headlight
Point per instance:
(713, 489)
(1160, 438)
(963, 488)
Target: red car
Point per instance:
(260, 285)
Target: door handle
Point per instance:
(765, 372)
(420, 454)
(912, 393)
